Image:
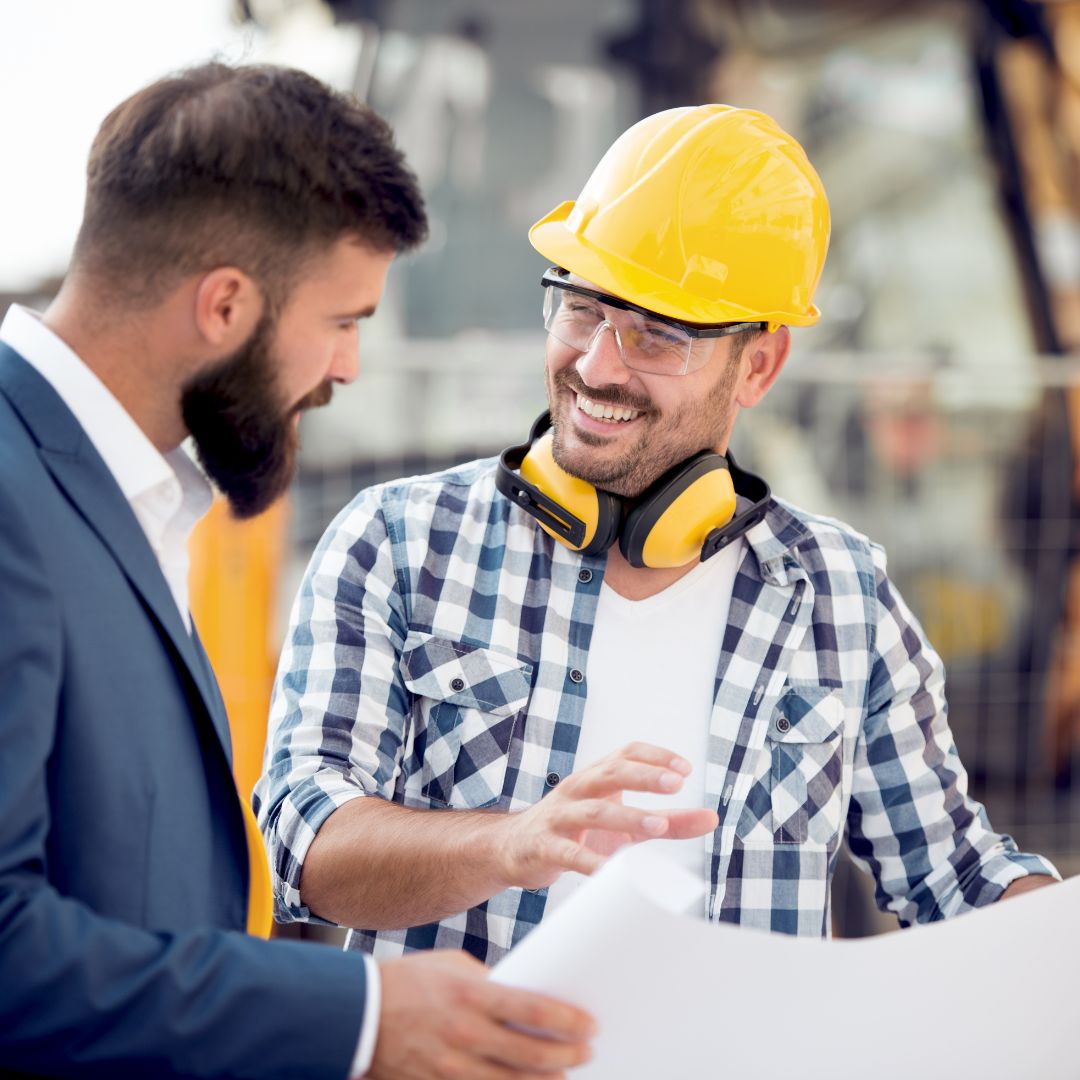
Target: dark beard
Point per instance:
(244, 435)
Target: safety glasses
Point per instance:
(646, 341)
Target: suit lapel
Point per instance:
(217, 703)
(81, 473)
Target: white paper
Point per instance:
(993, 994)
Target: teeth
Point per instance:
(605, 412)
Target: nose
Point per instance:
(601, 364)
(345, 365)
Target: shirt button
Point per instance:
(553, 778)
(457, 685)
(584, 576)
(783, 724)
(576, 676)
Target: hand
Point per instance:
(583, 821)
(441, 1019)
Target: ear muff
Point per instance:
(571, 510)
(688, 513)
(670, 522)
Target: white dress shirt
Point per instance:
(167, 493)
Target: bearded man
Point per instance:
(239, 224)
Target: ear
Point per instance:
(761, 363)
(228, 304)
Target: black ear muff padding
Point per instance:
(749, 486)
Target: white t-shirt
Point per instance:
(652, 675)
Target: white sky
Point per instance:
(64, 64)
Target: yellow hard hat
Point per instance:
(708, 214)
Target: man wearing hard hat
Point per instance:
(613, 633)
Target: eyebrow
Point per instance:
(363, 313)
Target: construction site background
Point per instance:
(936, 407)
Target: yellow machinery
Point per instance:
(235, 572)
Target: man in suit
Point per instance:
(238, 223)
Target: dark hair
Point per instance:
(740, 341)
(258, 167)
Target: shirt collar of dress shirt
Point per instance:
(167, 492)
(130, 456)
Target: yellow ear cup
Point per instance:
(671, 521)
(680, 532)
(570, 510)
(575, 495)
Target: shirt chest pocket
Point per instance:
(468, 702)
(800, 799)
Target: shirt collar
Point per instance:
(134, 461)
(772, 541)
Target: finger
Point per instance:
(466, 1064)
(574, 816)
(687, 824)
(535, 1052)
(453, 959)
(538, 1012)
(569, 855)
(617, 774)
(651, 754)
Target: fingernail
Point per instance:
(681, 765)
(654, 824)
(670, 781)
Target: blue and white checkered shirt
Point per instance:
(438, 657)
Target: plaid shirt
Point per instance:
(438, 657)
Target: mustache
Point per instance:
(316, 399)
(614, 396)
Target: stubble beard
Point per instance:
(691, 427)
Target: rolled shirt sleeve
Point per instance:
(327, 743)
(911, 821)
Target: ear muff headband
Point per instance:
(688, 512)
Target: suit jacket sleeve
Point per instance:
(86, 996)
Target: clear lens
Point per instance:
(644, 344)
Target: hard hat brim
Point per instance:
(629, 281)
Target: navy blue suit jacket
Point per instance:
(123, 867)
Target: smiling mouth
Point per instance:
(612, 414)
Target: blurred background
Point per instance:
(936, 407)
